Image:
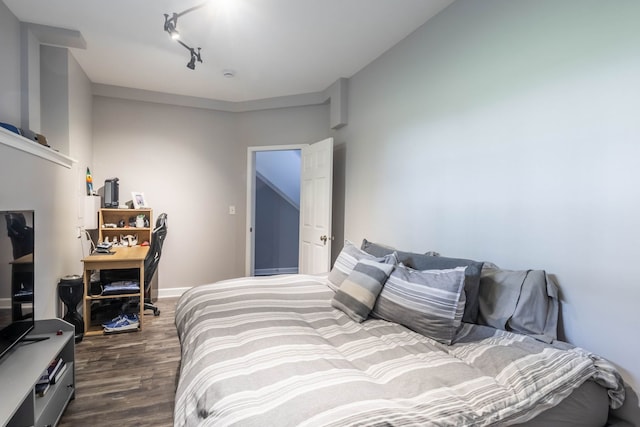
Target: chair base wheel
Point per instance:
(150, 306)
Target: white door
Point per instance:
(315, 207)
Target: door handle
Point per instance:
(324, 238)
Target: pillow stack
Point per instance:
(423, 293)
(430, 302)
(431, 262)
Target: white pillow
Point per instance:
(347, 260)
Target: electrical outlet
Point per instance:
(232, 210)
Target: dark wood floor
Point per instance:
(128, 379)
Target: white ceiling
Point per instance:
(276, 47)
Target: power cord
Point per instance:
(88, 237)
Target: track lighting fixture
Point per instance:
(171, 27)
(195, 56)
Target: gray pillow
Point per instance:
(347, 260)
(359, 291)
(428, 262)
(522, 301)
(377, 249)
(429, 302)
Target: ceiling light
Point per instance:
(170, 26)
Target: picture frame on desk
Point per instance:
(138, 200)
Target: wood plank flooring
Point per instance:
(128, 379)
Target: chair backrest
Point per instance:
(155, 250)
(20, 234)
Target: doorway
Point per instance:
(315, 182)
(274, 199)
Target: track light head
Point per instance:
(170, 24)
(195, 56)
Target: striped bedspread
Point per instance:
(273, 352)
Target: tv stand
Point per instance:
(22, 367)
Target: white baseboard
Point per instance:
(5, 303)
(171, 292)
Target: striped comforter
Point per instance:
(273, 352)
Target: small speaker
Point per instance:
(71, 292)
(111, 193)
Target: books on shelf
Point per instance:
(57, 376)
(52, 369)
(50, 376)
(42, 389)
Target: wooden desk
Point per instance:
(24, 259)
(122, 258)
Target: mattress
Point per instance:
(586, 406)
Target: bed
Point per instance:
(276, 351)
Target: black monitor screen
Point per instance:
(16, 276)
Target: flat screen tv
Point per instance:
(16, 277)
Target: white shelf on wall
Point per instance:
(21, 143)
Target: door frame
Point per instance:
(249, 265)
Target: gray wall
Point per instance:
(9, 67)
(192, 164)
(508, 131)
(277, 230)
(31, 183)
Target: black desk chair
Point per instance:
(21, 237)
(151, 262)
(153, 259)
(20, 234)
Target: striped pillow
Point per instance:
(359, 290)
(430, 302)
(348, 258)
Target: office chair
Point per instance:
(20, 234)
(153, 259)
(21, 237)
(151, 262)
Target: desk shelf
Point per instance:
(114, 216)
(97, 297)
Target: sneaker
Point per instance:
(113, 321)
(119, 319)
(124, 322)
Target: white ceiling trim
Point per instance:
(57, 36)
(132, 94)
